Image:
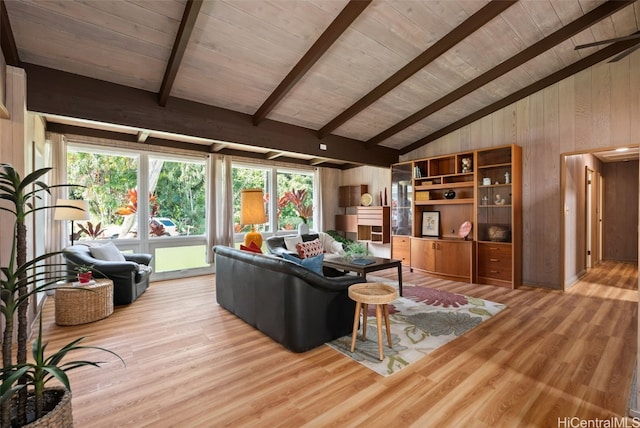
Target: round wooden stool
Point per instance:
(372, 294)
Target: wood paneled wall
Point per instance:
(597, 108)
(621, 211)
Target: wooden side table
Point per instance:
(76, 305)
(372, 294)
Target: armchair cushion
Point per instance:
(107, 252)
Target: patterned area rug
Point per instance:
(421, 321)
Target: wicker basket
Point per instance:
(61, 416)
(76, 305)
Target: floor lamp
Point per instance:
(71, 209)
(252, 212)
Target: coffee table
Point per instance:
(379, 263)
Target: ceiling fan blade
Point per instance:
(604, 42)
(625, 53)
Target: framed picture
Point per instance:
(431, 223)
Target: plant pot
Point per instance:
(84, 277)
(57, 406)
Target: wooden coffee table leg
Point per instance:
(379, 324)
(386, 321)
(356, 320)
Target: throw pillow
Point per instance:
(253, 247)
(314, 264)
(291, 241)
(108, 252)
(309, 249)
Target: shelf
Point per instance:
(446, 201)
(445, 186)
(495, 165)
(495, 206)
(494, 185)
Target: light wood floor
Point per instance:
(191, 363)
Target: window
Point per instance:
(293, 202)
(108, 182)
(174, 209)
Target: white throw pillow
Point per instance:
(108, 252)
(291, 241)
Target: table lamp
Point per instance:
(252, 212)
(65, 211)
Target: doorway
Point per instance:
(597, 221)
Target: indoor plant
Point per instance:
(84, 273)
(19, 282)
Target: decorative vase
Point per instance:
(449, 194)
(84, 277)
(303, 228)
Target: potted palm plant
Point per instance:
(22, 386)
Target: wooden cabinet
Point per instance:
(373, 224)
(449, 259)
(498, 217)
(401, 249)
(483, 187)
(349, 198)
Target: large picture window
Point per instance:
(289, 197)
(168, 221)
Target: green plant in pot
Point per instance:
(85, 272)
(356, 250)
(23, 381)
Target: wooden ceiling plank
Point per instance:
(468, 27)
(66, 94)
(191, 10)
(556, 77)
(9, 48)
(339, 25)
(520, 58)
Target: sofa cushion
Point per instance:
(253, 247)
(108, 252)
(291, 241)
(314, 264)
(309, 249)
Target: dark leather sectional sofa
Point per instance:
(291, 304)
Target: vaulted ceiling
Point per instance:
(325, 82)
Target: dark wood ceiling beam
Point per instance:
(8, 44)
(468, 27)
(351, 11)
(556, 77)
(191, 10)
(65, 94)
(517, 60)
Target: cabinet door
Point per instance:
(401, 249)
(423, 252)
(453, 258)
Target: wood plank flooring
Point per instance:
(190, 363)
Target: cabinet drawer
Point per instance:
(494, 261)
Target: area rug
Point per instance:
(423, 320)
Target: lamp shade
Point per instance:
(64, 210)
(252, 207)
